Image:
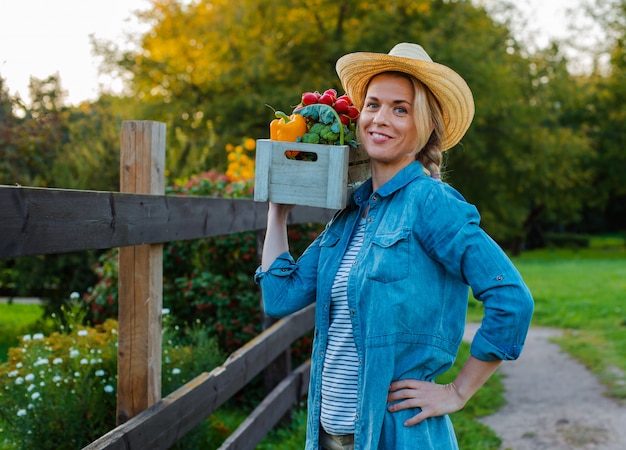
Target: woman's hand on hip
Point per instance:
(433, 399)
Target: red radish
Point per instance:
(346, 98)
(309, 98)
(341, 106)
(326, 100)
(353, 112)
(344, 119)
(332, 93)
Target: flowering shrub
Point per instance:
(240, 165)
(59, 391)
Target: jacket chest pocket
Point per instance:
(389, 257)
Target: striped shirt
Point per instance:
(340, 371)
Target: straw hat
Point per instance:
(355, 71)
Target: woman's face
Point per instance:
(386, 125)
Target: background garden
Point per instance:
(544, 162)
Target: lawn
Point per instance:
(16, 320)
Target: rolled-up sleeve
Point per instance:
(288, 286)
(457, 241)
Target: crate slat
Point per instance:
(321, 183)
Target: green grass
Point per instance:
(16, 320)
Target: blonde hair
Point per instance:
(430, 127)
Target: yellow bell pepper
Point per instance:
(287, 128)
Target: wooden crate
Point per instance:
(325, 182)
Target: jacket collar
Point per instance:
(400, 180)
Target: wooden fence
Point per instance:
(138, 220)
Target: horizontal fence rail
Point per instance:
(37, 221)
(172, 417)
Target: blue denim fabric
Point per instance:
(407, 292)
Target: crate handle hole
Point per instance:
(299, 155)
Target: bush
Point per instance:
(567, 240)
(59, 392)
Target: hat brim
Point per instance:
(455, 98)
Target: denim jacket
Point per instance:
(407, 293)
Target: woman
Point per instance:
(390, 274)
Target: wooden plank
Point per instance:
(161, 425)
(337, 183)
(37, 221)
(319, 183)
(271, 410)
(140, 277)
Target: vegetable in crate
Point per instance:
(331, 120)
(287, 128)
(322, 119)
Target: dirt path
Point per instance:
(553, 402)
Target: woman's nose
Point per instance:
(380, 118)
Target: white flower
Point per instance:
(76, 374)
(99, 373)
(30, 388)
(57, 361)
(74, 353)
(26, 337)
(21, 413)
(108, 389)
(13, 373)
(84, 361)
(74, 295)
(19, 380)
(35, 396)
(37, 336)
(19, 365)
(83, 333)
(41, 361)
(29, 377)
(165, 311)
(175, 371)
(56, 378)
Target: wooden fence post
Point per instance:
(140, 283)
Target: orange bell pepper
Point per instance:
(287, 128)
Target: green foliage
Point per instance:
(49, 277)
(59, 391)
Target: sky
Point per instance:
(40, 38)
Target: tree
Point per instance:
(208, 68)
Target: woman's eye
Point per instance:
(401, 110)
(372, 106)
